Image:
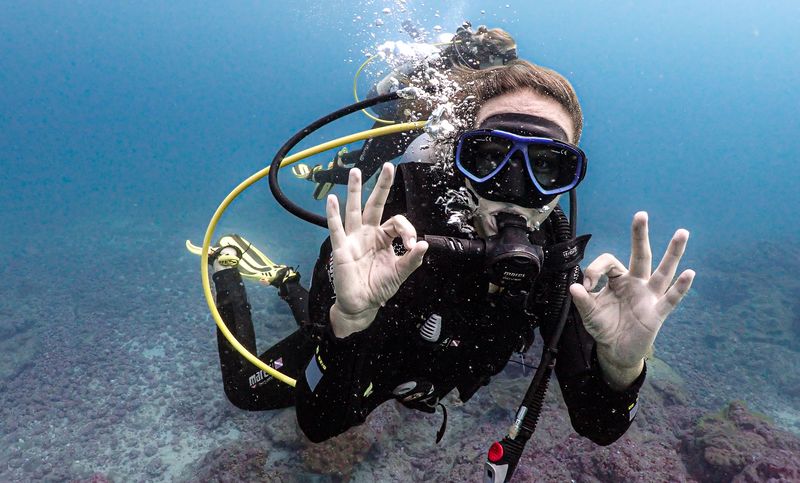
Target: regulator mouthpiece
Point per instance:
(512, 261)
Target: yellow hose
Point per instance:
(212, 225)
(355, 92)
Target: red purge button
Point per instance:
(495, 452)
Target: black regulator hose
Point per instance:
(573, 213)
(504, 455)
(277, 192)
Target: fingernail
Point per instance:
(586, 283)
(412, 241)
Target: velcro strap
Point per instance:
(565, 255)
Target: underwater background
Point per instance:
(123, 125)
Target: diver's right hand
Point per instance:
(366, 270)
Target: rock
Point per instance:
(668, 384)
(738, 443)
(154, 468)
(283, 431)
(340, 455)
(779, 465)
(630, 460)
(239, 461)
(94, 478)
(18, 351)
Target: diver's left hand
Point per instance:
(625, 316)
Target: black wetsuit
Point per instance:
(340, 381)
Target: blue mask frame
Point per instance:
(521, 143)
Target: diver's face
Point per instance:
(520, 102)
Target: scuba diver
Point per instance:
(476, 50)
(388, 317)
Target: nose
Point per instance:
(514, 174)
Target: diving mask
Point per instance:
(520, 159)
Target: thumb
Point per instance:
(583, 300)
(411, 260)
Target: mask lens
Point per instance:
(553, 166)
(482, 154)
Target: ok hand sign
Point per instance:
(366, 270)
(625, 316)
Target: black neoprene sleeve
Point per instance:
(332, 394)
(596, 411)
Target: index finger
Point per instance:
(606, 264)
(641, 257)
(373, 211)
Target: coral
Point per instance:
(121, 383)
(736, 441)
(19, 345)
(778, 465)
(239, 461)
(283, 431)
(95, 478)
(629, 460)
(339, 455)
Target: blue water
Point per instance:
(124, 124)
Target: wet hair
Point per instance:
(480, 86)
